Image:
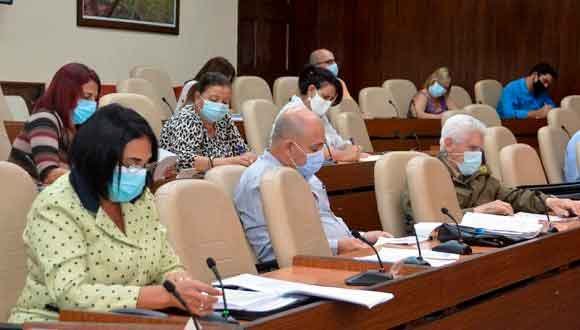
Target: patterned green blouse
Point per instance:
(79, 259)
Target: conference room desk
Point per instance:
(531, 285)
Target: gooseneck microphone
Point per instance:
(418, 145)
(453, 246)
(167, 104)
(395, 107)
(211, 264)
(566, 131)
(551, 228)
(419, 261)
(370, 277)
(170, 287)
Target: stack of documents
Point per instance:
(436, 259)
(539, 217)
(255, 302)
(503, 225)
(408, 240)
(278, 288)
(424, 229)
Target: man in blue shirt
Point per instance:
(570, 167)
(528, 97)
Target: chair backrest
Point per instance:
(284, 89)
(247, 88)
(571, 102)
(495, 139)
(450, 113)
(145, 87)
(390, 183)
(488, 92)
(17, 197)
(141, 104)
(553, 142)
(565, 117)
(484, 113)
(520, 165)
(226, 177)
(160, 80)
(460, 96)
(292, 216)
(430, 189)
(202, 222)
(18, 108)
(347, 105)
(400, 92)
(5, 145)
(351, 125)
(374, 101)
(5, 113)
(259, 117)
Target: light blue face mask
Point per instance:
(471, 162)
(129, 187)
(214, 111)
(313, 163)
(436, 90)
(333, 68)
(84, 110)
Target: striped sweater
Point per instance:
(42, 145)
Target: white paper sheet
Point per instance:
(253, 301)
(365, 298)
(371, 158)
(408, 240)
(436, 259)
(502, 224)
(424, 229)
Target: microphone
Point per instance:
(394, 106)
(566, 130)
(211, 264)
(370, 277)
(167, 104)
(551, 228)
(453, 246)
(413, 108)
(419, 261)
(170, 287)
(417, 141)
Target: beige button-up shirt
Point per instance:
(79, 259)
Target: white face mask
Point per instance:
(319, 105)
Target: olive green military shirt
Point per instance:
(79, 259)
(481, 188)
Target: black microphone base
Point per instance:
(418, 261)
(552, 229)
(453, 247)
(218, 317)
(368, 278)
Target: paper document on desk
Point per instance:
(436, 259)
(371, 158)
(424, 229)
(257, 302)
(285, 288)
(540, 217)
(165, 161)
(409, 240)
(505, 225)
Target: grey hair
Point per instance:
(458, 126)
(315, 55)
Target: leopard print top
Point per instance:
(184, 135)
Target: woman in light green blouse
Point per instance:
(93, 237)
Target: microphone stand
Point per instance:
(370, 277)
(453, 246)
(419, 261)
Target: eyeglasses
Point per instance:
(328, 62)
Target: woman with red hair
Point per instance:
(70, 100)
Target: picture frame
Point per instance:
(157, 16)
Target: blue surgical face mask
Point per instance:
(436, 90)
(471, 162)
(129, 186)
(313, 163)
(333, 68)
(214, 111)
(84, 110)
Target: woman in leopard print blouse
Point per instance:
(203, 134)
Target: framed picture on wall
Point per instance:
(159, 16)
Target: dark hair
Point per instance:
(544, 68)
(211, 79)
(98, 146)
(312, 75)
(217, 64)
(65, 89)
